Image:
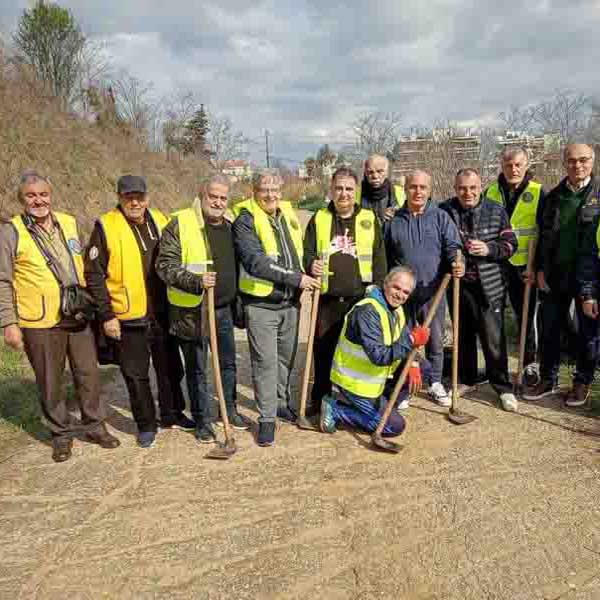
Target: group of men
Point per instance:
(377, 256)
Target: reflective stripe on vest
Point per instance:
(364, 227)
(125, 274)
(351, 369)
(37, 291)
(255, 286)
(194, 257)
(523, 220)
(400, 195)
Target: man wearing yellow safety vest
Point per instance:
(268, 241)
(374, 341)
(44, 310)
(196, 252)
(377, 192)
(344, 247)
(571, 210)
(132, 306)
(523, 200)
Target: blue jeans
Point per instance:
(435, 346)
(195, 357)
(365, 413)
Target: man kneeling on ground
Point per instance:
(373, 343)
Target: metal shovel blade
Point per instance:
(460, 418)
(223, 451)
(304, 423)
(384, 444)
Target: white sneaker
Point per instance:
(404, 405)
(509, 402)
(438, 394)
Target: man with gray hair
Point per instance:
(523, 200)
(44, 310)
(377, 192)
(196, 253)
(268, 241)
(424, 237)
(570, 208)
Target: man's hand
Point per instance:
(458, 268)
(317, 267)
(389, 213)
(209, 279)
(112, 328)
(309, 283)
(415, 381)
(541, 282)
(420, 335)
(13, 337)
(590, 308)
(528, 277)
(477, 248)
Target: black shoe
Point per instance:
(205, 434)
(531, 375)
(61, 449)
(266, 434)
(182, 421)
(285, 413)
(103, 438)
(541, 390)
(239, 422)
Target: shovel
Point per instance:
(228, 449)
(454, 415)
(518, 385)
(302, 421)
(376, 437)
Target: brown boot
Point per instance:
(101, 437)
(61, 449)
(578, 395)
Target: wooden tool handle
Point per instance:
(525, 311)
(309, 349)
(455, 334)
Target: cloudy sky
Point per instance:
(305, 69)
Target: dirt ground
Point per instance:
(504, 508)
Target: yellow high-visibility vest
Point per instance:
(194, 255)
(523, 220)
(351, 369)
(365, 239)
(255, 286)
(36, 289)
(125, 273)
(400, 195)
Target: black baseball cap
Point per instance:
(131, 183)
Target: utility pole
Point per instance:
(267, 147)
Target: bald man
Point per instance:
(571, 210)
(377, 192)
(424, 237)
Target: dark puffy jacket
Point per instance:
(364, 328)
(285, 273)
(427, 243)
(491, 225)
(549, 242)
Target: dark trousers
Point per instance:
(516, 291)
(136, 347)
(330, 321)
(555, 314)
(195, 357)
(479, 320)
(47, 350)
(435, 347)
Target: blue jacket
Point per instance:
(427, 243)
(364, 328)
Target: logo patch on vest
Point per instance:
(295, 224)
(527, 197)
(93, 253)
(366, 224)
(74, 246)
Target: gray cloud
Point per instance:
(306, 68)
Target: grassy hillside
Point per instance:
(84, 160)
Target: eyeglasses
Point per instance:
(584, 160)
(269, 191)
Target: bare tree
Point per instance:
(565, 113)
(225, 142)
(376, 132)
(134, 104)
(518, 118)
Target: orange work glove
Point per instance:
(415, 381)
(419, 335)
